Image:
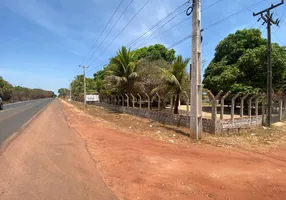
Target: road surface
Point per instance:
(15, 115)
(49, 161)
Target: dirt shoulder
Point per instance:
(49, 161)
(137, 165)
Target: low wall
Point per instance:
(239, 123)
(166, 118)
(226, 125)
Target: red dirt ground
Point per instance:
(138, 167)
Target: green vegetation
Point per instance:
(63, 92)
(240, 64)
(18, 93)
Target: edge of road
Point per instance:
(10, 139)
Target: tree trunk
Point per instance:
(176, 107)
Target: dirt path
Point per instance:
(49, 161)
(142, 168)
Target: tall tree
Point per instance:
(154, 52)
(123, 71)
(240, 64)
(175, 79)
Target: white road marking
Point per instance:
(5, 110)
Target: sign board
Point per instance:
(92, 97)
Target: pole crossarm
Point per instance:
(270, 8)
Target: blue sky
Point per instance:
(42, 42)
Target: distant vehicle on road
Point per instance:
(1, 104)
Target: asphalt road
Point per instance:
(15, 115)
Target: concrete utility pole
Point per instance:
(196, 70)
(269, 21)
(84, 85)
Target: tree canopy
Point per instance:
(132, 71)
(77, 89)
(240, 64)
(19, 93)
(63, 92)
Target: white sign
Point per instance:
(92, 98)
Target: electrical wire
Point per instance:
(157, 24)
(190, 36)
(103, 30)
(148, 36)
(184, 20)
(112, 28)
(121, 30)
(173, 26)
(233, 14)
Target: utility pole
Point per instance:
(268, 19)
(84, 85)
(196, 70)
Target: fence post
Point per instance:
(159, 101)
(149, 107)
(250, 105)
(122, 98)
(140, 102)
(127, 100)
(242, 104)
(233, 105)
(118, 100)
(222, 104)
(249, 109)
(188, 101)
(280, 109)
(214, 109)
(133, 101)
(171, 104)
(263, 110)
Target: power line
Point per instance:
(144, 40)
(148, 40)
(180, 41)
(232, 15)
(112, 27)
(175, 13)
(122, 30)
(244, 6)
(189, 36)
(103, 30)
(169, 28)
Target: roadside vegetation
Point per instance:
(10, 93)
(239, 65)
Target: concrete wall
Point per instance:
(166, 118)
(226, 125)
(229, 125)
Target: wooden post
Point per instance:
(242, 105)
(233, 105)
(222, 104)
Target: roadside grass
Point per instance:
(261, 138)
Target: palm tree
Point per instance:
(123, 71)
(174, 79)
